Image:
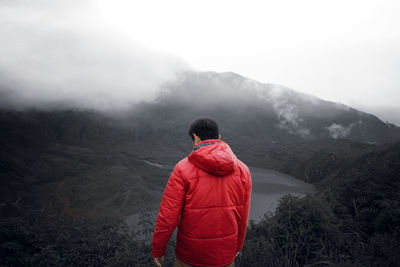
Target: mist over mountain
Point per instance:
(266, 113)
(389, 114)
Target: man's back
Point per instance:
(208, 196)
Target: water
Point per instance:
(268, 187)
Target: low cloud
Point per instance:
(339, 131)
(281, 98)
(289, 118)
(58, 54)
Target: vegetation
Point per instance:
(40, 241)
(354, 220)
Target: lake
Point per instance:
(268, 186)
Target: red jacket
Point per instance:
(208, 197)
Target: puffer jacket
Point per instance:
(208, 197)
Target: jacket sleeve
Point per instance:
(169, 213)
(244, 214)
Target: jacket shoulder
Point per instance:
(183, 163)
(244, 167)
(246, 175)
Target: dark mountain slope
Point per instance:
(254, 118)
(295, 115)
(74, 160)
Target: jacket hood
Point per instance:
(214, 156)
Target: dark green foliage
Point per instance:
(317, 160)
(34, 240)
(302, 231)
(354, 220)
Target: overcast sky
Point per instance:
(343, 50)
(60, 53)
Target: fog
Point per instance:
(387, 113)
(57, 54)
(341, 51)
(108, 55)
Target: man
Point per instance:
(208, 197)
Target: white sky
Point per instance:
(342, 50)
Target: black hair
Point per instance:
(204, 128)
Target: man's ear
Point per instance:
(196, 137)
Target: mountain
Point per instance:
(297, 114)
(254, 118)
(89, 163)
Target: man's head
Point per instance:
(203, 129)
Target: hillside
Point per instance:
(72, 163)
(353, 220)
(254, 118)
